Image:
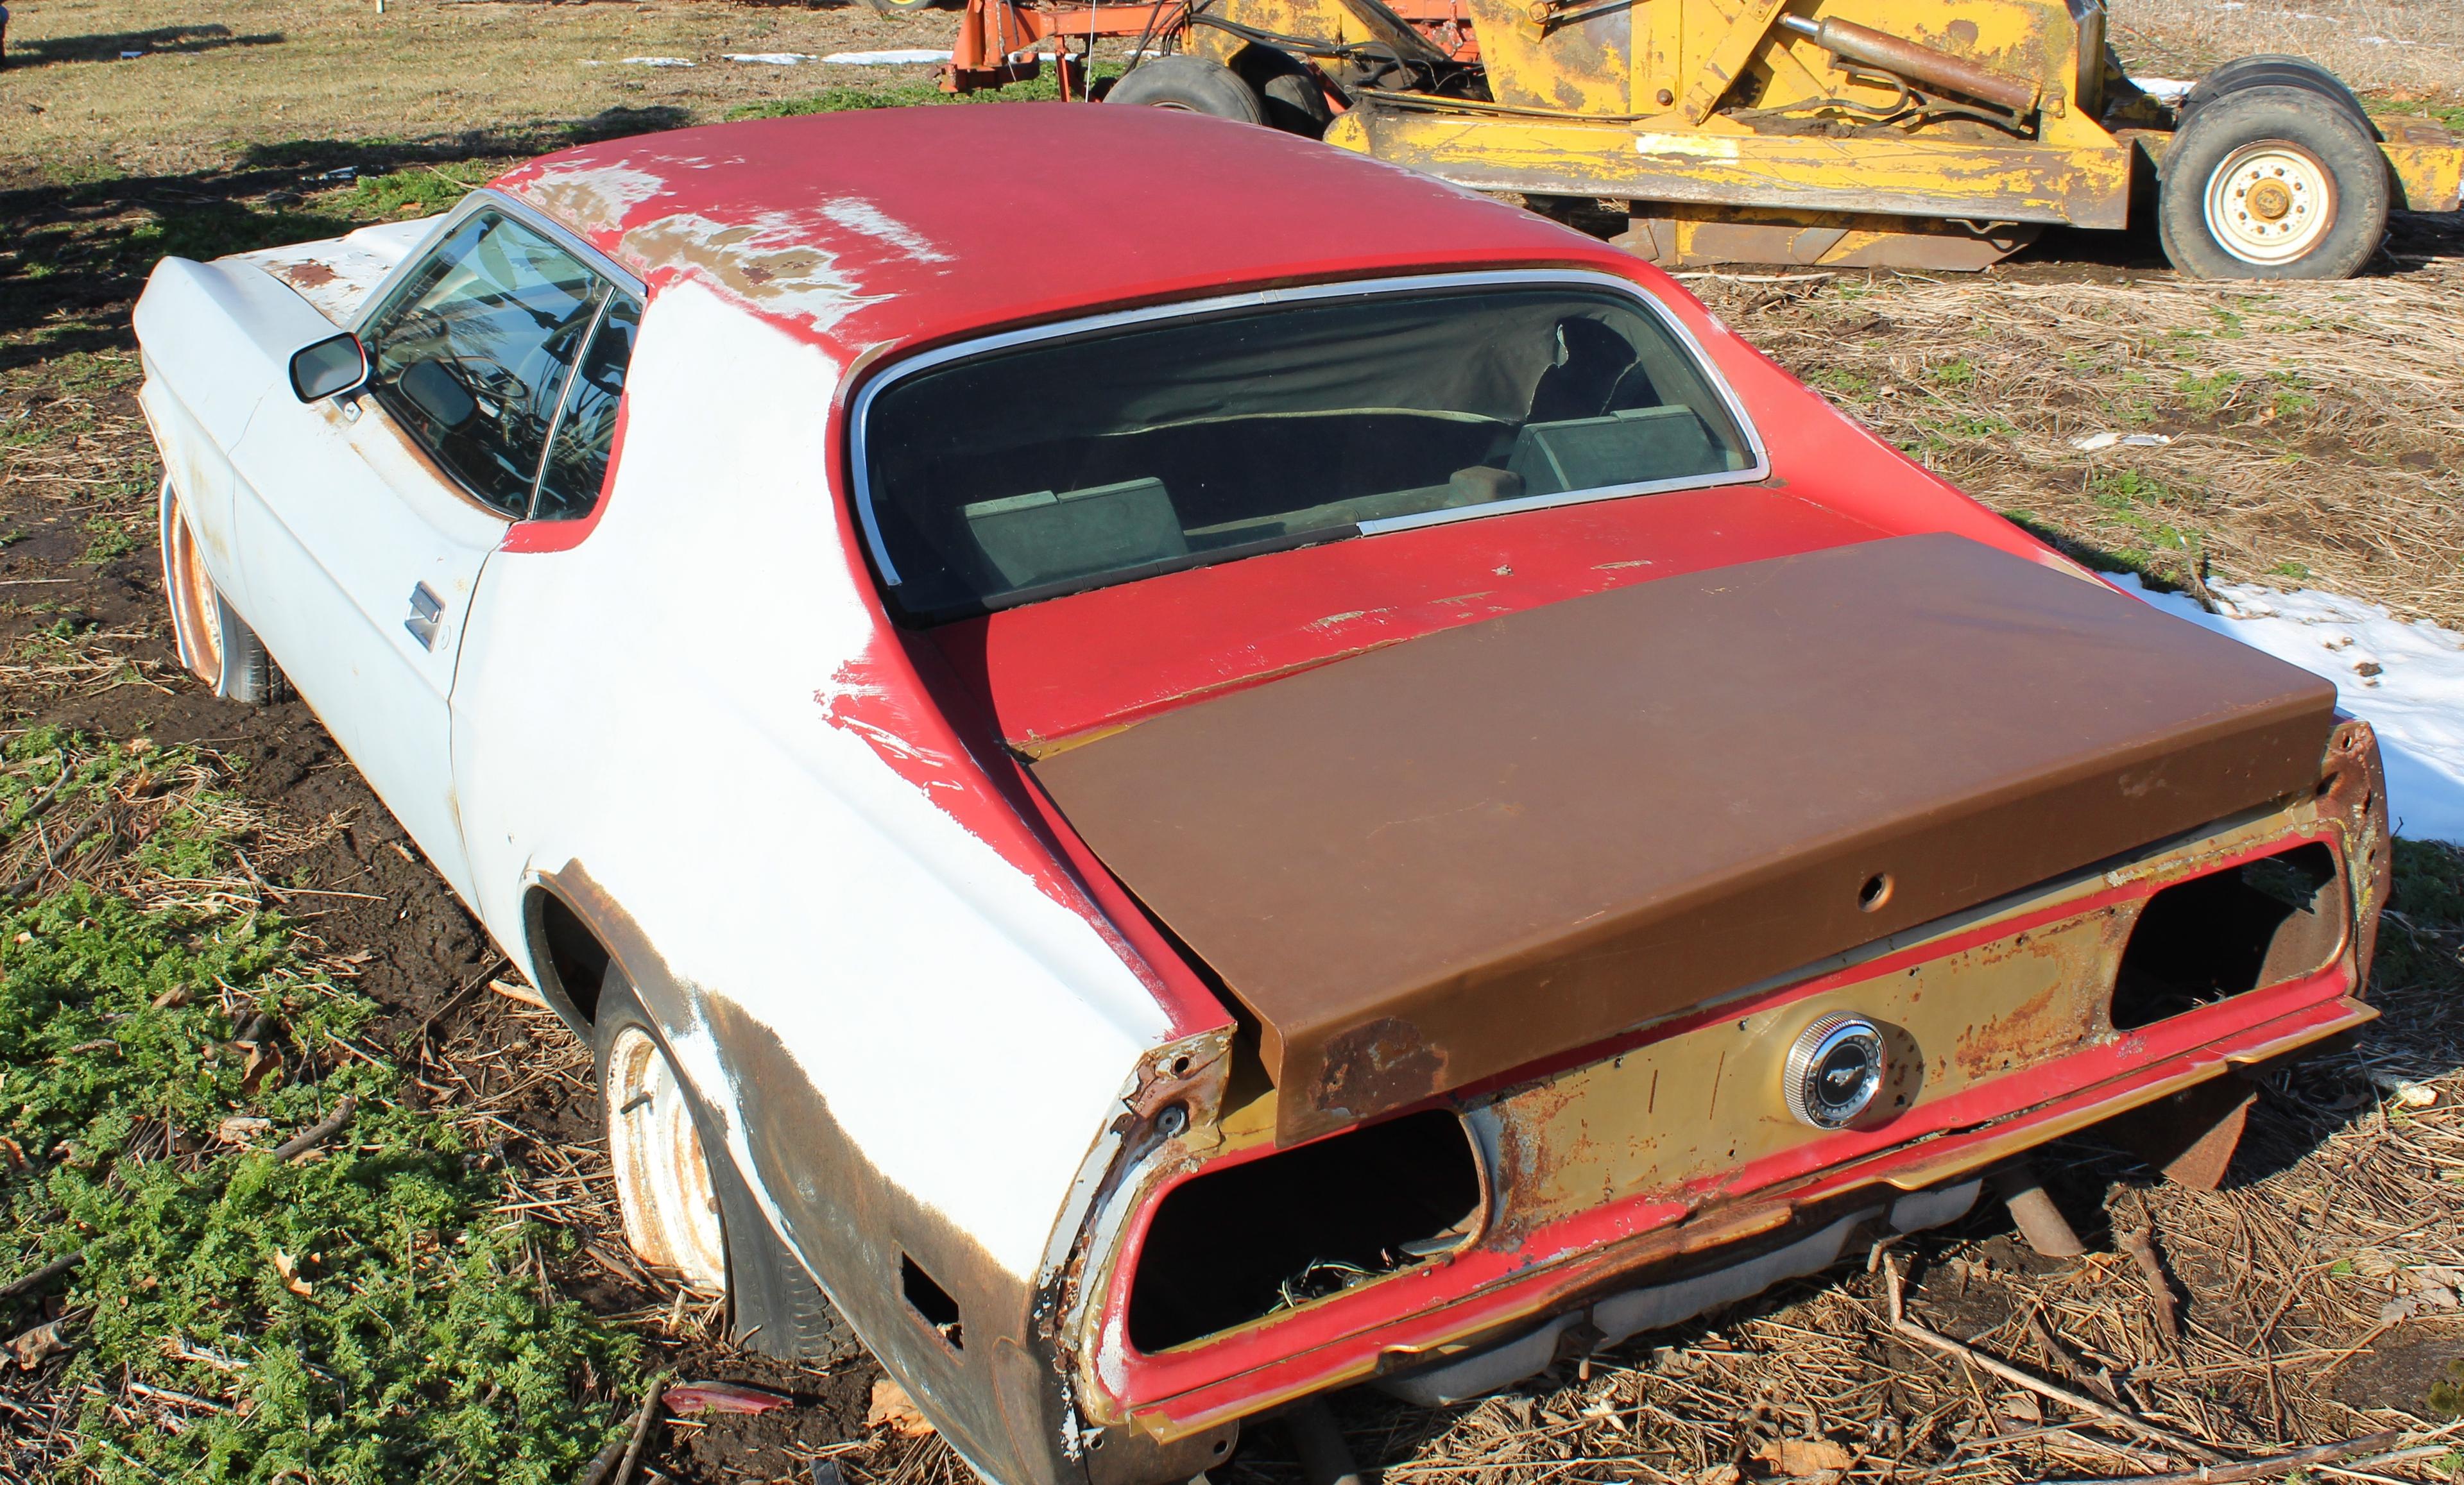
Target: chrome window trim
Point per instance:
(613, 280)
(486, 198)
(1758, 469)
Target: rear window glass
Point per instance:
(1066, 464)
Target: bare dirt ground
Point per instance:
(2315, 435)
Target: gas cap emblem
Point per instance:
(1834, 1069)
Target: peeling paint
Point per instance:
(769, 264)
(590, 197)
(858, 215)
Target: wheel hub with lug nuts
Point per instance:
(2270, 202)
(662, 1182)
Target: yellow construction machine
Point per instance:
(1939, 134)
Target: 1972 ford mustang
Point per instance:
(1246, 774)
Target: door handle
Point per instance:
(426, 616)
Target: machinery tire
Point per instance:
(1289, 97)
(2270, 72)
(1191, 84)
(2271, 182)
(214, 642)
(773, 1307)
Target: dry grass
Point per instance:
(2317, 429)
(225, 80)
(2386, 46)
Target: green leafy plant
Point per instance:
(360, 1313)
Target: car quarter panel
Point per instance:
(695, 727)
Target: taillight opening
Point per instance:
(2213, 937)
(1238, 1244)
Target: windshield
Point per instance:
(1066, 464)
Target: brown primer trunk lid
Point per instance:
(1432, 864)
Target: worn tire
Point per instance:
(1289, 99)
(2243, 73)
(2271, 182)
(773, 1307)
(1191, 84)
(214, 642)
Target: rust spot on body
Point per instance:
(1384, 1064)
(305, 275)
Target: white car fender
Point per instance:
(216, 339)
(222, 334)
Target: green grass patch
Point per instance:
(421, 191)
(1959, 372)
(1842, 380)
(2207, 395)
(359, 1316)
(107, 541)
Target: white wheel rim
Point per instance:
(2270, 202)
(196, 618)
(662, 1177)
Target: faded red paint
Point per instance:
(1048, 670)
(1151, 205)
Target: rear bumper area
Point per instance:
(1606, 1321)
(1661, 1174)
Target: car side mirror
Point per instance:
(329, 368)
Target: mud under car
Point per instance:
(1238, 775)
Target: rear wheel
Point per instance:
(215, 644)
(684, 1207)
(1192, 85)
(1288, 94)
(2271, 182)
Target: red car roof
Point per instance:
(886, 227)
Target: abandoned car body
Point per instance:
(1179, 816)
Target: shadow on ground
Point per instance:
(118, 45)
(78, 251)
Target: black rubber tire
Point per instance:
(773, 1307)
(1192, 85)
(243, 671)
(1289, 99)
(249, 675)
(2303, 118)
(2271, 71)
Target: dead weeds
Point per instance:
(2300, 435)
(2380, 46)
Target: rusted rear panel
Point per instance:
(1433, 863)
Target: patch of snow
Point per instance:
(2407, 680)
(2094, 443)
(906, 59)
(770, 58)
(656, 61)
(2165, 90)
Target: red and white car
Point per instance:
(1187, 769)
